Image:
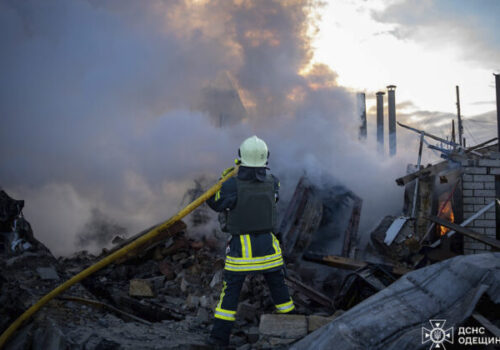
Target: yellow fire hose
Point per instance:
(112, 257)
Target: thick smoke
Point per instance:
(100, 230)
(100, 108)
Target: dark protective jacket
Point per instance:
(249, 251)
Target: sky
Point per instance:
(110, 108)
(426, 48)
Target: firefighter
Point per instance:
(247, 205)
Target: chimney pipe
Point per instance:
(380, 121)
(362, 114)
(497, 84)
(392, 119)
(453, 138)
(459, 116)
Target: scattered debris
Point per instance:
(283, 326)
(351, 264)
(140, 288)
(394, 229)
(47, 273)
(393, 318)
(102, 305)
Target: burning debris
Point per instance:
(460, 190)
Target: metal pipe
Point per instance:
(392, 119)
(453, 138)
(473, 217)
(497, 84)
(380, 121)
(361, 98)
(465, 223)
(460, 126)
(415, 193)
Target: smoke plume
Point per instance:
(104, 108)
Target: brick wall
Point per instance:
(478, 191)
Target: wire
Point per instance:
(487, 122)
(470, 134)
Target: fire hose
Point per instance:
(112, 257)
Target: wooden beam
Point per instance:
(143, 249)
(351, 264)
(337, 261)
(300, 287)
(466, 232)
(430, 170)
(470, 149)
(101, 305)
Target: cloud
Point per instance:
(471, 27)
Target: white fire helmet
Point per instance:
(253, 152)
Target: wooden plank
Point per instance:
(470, 149)
(430, 170)
(101, 305)
(466, 232)
(142, 250)
(148, 309)
(352, 264)
(340, 262)
(301, 219)
(309, 292)
(353, 226)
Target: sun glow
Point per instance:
(368, 57)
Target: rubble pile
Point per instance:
(161, 295)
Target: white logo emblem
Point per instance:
(437, 335)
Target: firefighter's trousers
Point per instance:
(225, 312)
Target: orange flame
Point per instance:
(446, 214)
